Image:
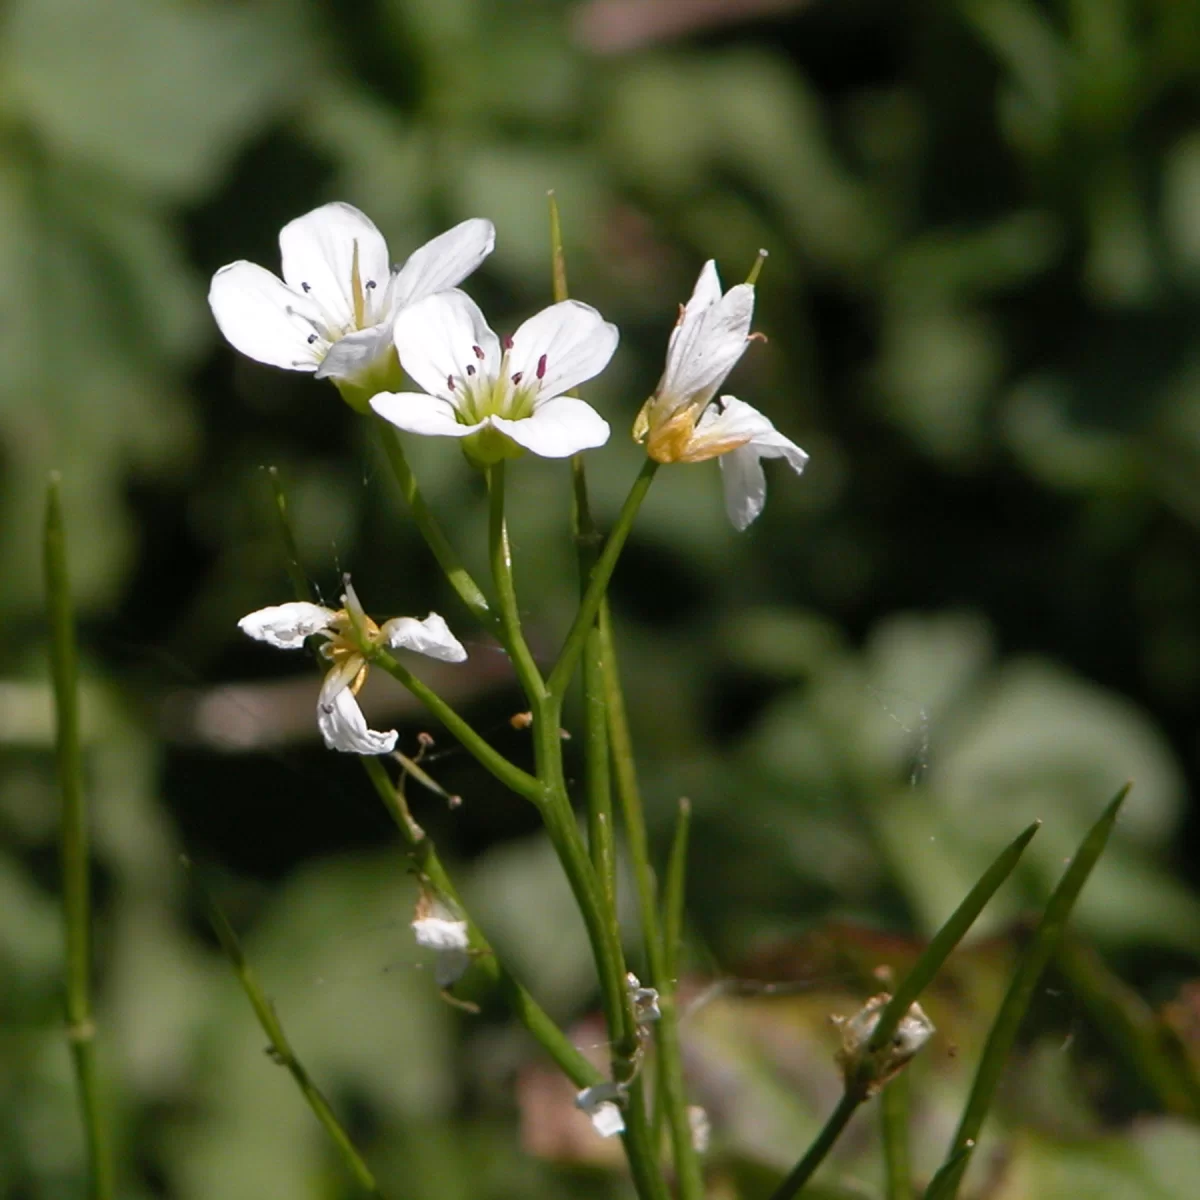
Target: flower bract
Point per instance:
(684, 420)
(333, 310)
(502, 397)
(339, 717)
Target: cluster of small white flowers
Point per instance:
(342, 312)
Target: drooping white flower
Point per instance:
(333, 310)
(504, 397)
(643, 999)
(339, 718)
(438, 929)
(683, 421)
(599, 1105)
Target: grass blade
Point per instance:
(281, 1050)
(944, 941)
(81, 1027)
(1046, 939)
(876, 1061)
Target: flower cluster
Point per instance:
(342, 312)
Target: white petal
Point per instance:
(709, 340)
(436, 339)
(415, 412)
(557, 429)
(745, 485)
(441, 933)
(264, 319)
(356, 353)
(318, 249)
(430, 636)
(443, 262)
(575, 340)
(450, 966)
(285, 626)
(344, 727)
(597, 1103)
(741, 473)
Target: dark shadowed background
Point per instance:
(980, 604)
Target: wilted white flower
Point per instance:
(913, 1031)
(333, 310)
(684, 421)
(437, 928)
(599, 1104)
(341, 721)
(502, 397)
(644, 1000)
(701, 1128)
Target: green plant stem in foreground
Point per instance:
(872, 1063)
(1045, 941)
(524, 1006)
(458, 575)
(281, 1049)
(81, 1028)
(893, 1119)
(597, 587)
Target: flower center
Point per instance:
(326, 327)
(341, 647)
(509, 394)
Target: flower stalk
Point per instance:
(81, 1026)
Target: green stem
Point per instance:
(291, 552)
(598, 584)
(281, 1049)
(1032, 963)
(500, 556)
(458, 575)
(526, 1009)
(660, 948)
(81, 1028)
(893, 1116)
(803, 1171)
(490, 759)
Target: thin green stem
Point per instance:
(526, 1009)
(458, 575)
(281, 1049)
(488, 757)
(660, 948)
(803, 1171)
(893, 1118)
(1003, 1033)
(283, 527)
(500, 556)
(598, 583)
(81, 1028)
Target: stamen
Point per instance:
(516, 377)
(370, 284)
(541, 367)
(312, 337)
(479, 354)
(506, 342)
(450, 382)
(306, 287)
(470, 368)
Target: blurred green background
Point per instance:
(980, 604)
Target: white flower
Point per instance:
(505, 398)
(682, 422)
(643, 999)
(438, 929)
(339, 718)
(700, 1127)
(598, 1104)
(332, 312)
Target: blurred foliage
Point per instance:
(981, 604)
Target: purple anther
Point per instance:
(305, 287)
(541, 370)
(506, 342)
(450, 382)
(516, 377)
(470, 368)
(479, 354)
